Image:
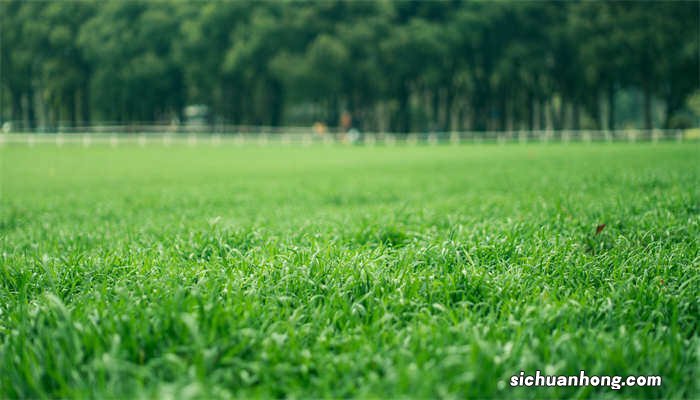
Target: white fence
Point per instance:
(308, 138)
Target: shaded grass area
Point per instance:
(347, 271)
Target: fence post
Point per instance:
(370, 139)
(522, 137)
(500, 138)
(587, 137)
(411, 139)
(262, 140)
(454, 138)
(432, 139)
(285, 140)
(192, 139)
(306, 140)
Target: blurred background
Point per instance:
(379, 66)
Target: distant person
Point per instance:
(320, 128)
(345, 121)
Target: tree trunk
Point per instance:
(648, 124)
(542, 118)
(531, 112)
(551, 115)
(461, 115)
(404, 117)
(576, 117)
(449, 103)
(503, 117)
(561, 115)
(673, 104)
(84, 106)
(668, 111)
(611, 107)
(31, 114)
(16, 106)
(276, 103)
(72, 108)
(596, 112)
(434, 104)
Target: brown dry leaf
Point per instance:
(599, 228)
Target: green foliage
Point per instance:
(402, 66)
(347, 272)
(135, 78)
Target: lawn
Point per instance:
(347, 271)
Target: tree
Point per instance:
(65, 72)
(136, 77)
(402, 66)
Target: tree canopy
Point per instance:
(397, 66)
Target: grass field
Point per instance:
(347, 271)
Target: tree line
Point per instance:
(392, 66)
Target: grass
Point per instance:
(347, 271)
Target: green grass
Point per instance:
(347, 271)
